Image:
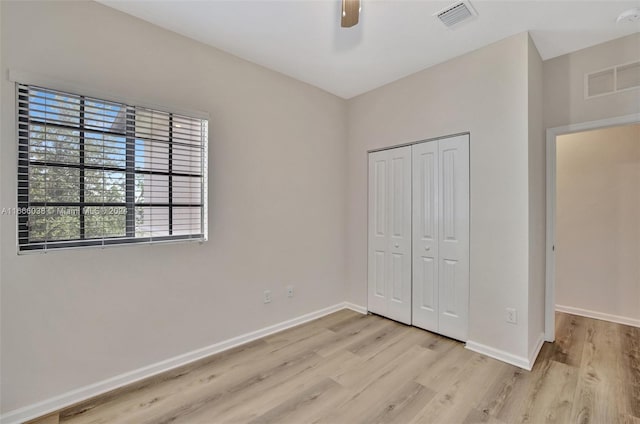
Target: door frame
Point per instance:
(550, 279)
(411, 143)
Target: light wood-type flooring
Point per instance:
(351, 368)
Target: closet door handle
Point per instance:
(396, 245)
(427, 248)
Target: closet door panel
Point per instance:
(453, 263)
(399, 283)
(378, 235)
(389, 256)
(425, 236)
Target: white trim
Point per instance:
(552, 133)
(536, 350)
(78, 395)
(500, 355)
(32, 78)
(598, 315)
(550, 263)
(355, 308)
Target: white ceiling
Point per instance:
(395, 38)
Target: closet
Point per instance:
(418, 258)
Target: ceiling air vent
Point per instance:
(456, 13)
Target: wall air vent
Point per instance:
(456, 13)
(612, 80)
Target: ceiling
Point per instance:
(395, 38)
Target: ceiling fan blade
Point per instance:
(350, 13)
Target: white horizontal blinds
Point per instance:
(72, 169)
(168, 174)
(97, 172)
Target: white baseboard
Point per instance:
(356, 308)
(70, 398)
(533, 355)
(598, 315)
(509, 358)
(500, 355)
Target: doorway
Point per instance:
(591, 224)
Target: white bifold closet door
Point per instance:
(419, 235)
(441, 236)
(389, 288)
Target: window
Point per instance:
(95, 172)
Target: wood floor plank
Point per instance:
(47, 419)
(381, 351)
(377, 363)
(305, 405)
(250, 404)
(353, 325)
(453, 403)
(629, 367)
(337, 326)
(402, 405)
(353, 333)
(374, 342)
(446, 369)
(550, 401)
(629, 419)
(570, 336)
(211, 396)
(438, 343)
(598, 395)
(477, 416)
(292, 334)
(378, 391)
(518, 388)
(503, 400)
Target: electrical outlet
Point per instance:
(267, 296)
(289, 291)
(512, 316)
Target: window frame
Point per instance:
(24, 203)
